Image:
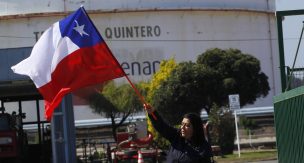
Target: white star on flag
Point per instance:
(79, 29)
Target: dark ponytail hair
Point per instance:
(198, 131)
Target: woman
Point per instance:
(188, 144)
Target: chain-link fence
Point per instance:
(295, 77)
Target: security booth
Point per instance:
(24, 133)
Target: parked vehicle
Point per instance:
(11, 137)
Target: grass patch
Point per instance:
(247, 157)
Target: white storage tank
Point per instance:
(141, 33)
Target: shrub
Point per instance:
(222, 129)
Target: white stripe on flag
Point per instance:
(45, 57)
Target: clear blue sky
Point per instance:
(292, 27)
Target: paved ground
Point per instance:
(272, 161)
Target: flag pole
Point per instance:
(139, 95)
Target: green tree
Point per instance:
(238, 73)
(191, 87)
(116, 102)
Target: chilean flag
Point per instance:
(71, 54)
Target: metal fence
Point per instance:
(289, 124)
(295, 77)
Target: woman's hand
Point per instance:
(149, 108)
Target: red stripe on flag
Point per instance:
(81, 68)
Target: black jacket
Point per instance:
(181, 150)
